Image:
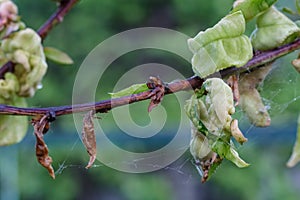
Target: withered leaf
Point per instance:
(41, 150)
(157, 93)
(89, 138)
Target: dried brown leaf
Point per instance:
(157, 93)
(42, 153)
(89, 138)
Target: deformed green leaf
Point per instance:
(295, 157)
(273, 29)
(250, 100)
(24, 48)
(12, 128)
(251, 8)
(57, 56)
(133, 89)
(221, 46)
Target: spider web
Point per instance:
(280, 93)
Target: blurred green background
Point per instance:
(88, 24)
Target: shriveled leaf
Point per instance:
(250, 100)
(251, 8)
(89, 138)
(237, 133)
(133, 89)
(57, 56)
(221, 105)
(295, 157)
(41, 149)
(157, 93)
(212, 127)
(221, 46)
(273, 30)
(206, 160)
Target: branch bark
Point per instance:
(57, 17)
(191, 83)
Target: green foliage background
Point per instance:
(91, 22)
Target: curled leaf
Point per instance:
(273, 29)
(57, 56)
(89, 138)
(12, 128)
(133, 89)
(41, 149)
(157, 93)
(210, 110)
(251, 8)
(206, 160)
(25, 49)
(295, 157)
(237, 133)
(221, 46)
(250, 100)
(219, 105)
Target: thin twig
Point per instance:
(181, 85)
(57, 17)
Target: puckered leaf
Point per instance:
(25, 49)
(12, 128)
(251, 8)
(218, 105)
(221, 46)
(250, 100)
(273, 29)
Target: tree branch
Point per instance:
(181, 85)
(57, 17)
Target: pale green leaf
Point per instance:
(133, 89)
(221, 46)
(58, 56)
(295, 157)
(13, 128)
(251, 8)
(250, 100)
(226, 149)
(24, 48)
(273, 30)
